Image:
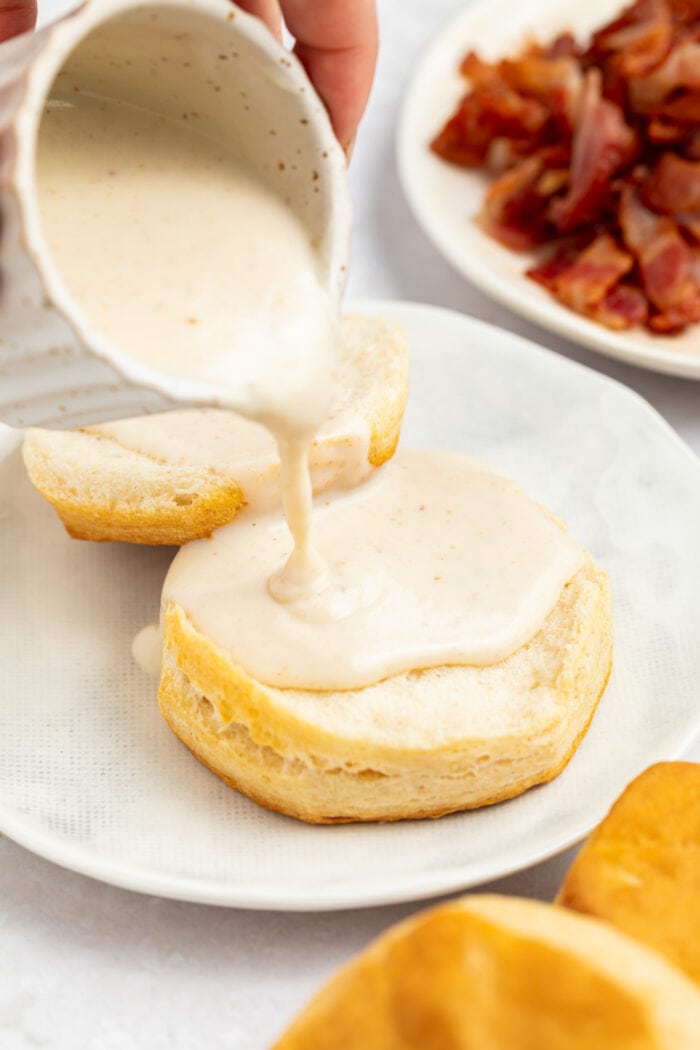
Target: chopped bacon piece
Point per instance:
(477, 71)
(463, 140)
(492, 111)
(636, 41)
(623, 307)
(665, 263)
(510, 114)
(680, 70)
(603, 144)
(547, 272)
(516, 204)
(514, 212)
(673, 187)
(593, 274)
(585, 280)
(556, 82)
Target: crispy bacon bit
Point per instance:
(680, 70)
(637, 40)
(514, 210)
(516, 207)
(583, 280)
(603, 144)
(463, 140)
(555, 82)
(623, 307)
(673, 187)
(665, 263)
(597, 148)
(594, 273)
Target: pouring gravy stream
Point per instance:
(188, 264)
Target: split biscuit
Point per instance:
(175, 477)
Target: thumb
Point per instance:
(16, 16)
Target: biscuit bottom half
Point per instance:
(419, 744)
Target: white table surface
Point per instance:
(84, 965)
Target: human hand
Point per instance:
(336, 41)
(16, 16)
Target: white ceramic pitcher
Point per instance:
(251, 94)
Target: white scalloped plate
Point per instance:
(92, 778)
(445, 198)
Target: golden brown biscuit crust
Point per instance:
(105, 491)
(640, 869)
(337, 757)
(497, 973)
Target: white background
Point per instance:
(86, 965)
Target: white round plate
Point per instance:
(445, 198)
(92, 778)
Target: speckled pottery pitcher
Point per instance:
(177, 55)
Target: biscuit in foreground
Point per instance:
(419, 744)
(500, 973)
(640, 869)
(105, 483)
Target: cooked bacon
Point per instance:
(463, 140)
(597, 149)
(546, 273)
(665, 263)
(516, 206)
(511, 115)
(588, 281)
(673, 187)
(680, 70)
(477, 71)
(603, 144)
(636, 41)
(492, 111)
(555, 82)
(592, 275)
(623, 307)
(514, 212)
